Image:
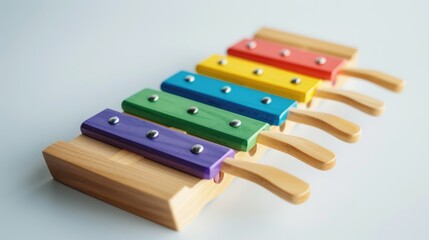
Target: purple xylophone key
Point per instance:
(163, 145)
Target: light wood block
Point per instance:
(133, 183)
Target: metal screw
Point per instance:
(192, 110)
(113, 120)
(189, 78)
(222, 62)
(153, 98)
(152, 134)
(235, 123)
(266, 100)
(258, 71)
(295, 81)
(226, 89)
(321, 60)
(285, 53)
(251, 45)
(197, 149)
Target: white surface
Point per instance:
(62, 62)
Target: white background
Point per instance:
(61, 62)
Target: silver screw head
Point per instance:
(197, 149)
(192, 110)
(285, 53)
(266, 100)
(226, 89)
(251, 45)
(152, 134)
(153, 98)
(321, 60)
(113, 120)
(235, 123)
(189, 78)
(258, 71)
(295, 81)
(222, 62)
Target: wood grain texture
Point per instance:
(170, 147)
(280, 183)
(297, 60)
(273, 80)
(209, 122)
(241, 100)
(359, 101)
(109, 181)
(336, 126)
(301, 148)
(379, 78)
(309, 43)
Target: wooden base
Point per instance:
(133, 183)
(138, 185)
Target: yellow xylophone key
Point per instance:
(260, 76)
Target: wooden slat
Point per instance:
(312, 44)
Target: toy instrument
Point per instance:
(169, 152)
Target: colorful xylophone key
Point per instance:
(252, 103)
(222, 127)
(282, 83)
(189, 154)
(309, 63)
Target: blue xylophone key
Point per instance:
(245, 101)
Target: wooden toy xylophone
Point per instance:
(173, 151)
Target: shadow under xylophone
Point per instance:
(144, 161)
